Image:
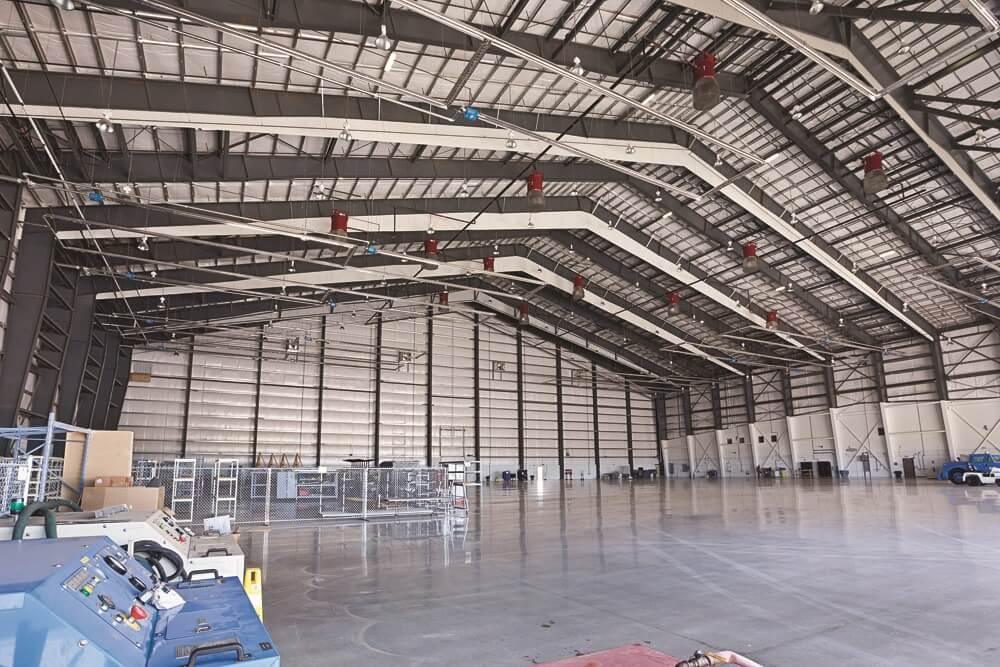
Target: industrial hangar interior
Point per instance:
(584, 332)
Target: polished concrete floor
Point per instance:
(789, 573)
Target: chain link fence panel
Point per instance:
(196, 490)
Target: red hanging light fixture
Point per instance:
(443, 299)
(431, 247)
(750, 261)
(338, 223)
(578, 291)
(522, 313)
(675, 304)
(772, 319)
(705, 93)
(536, 194)
(489, 264)
(875, 178)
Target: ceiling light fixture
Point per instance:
(511, 141)
(104, 123)
(345, 134)
(577, 68)
(814, 8)
(630, 149)
(68, 5)
(658, 198)
(143, 244)
(382, 41)
(291, 267)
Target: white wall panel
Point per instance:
(917, 431)
(578, 415)
(737, 458)
(349, 386)
(404, 389)
(678, 457)
(856, 431)
(812, 439)
(289, 393)
(612, 426)
(540, 409)
(706, 453)
(773, 446)
(973, 426)
(498, 398)
(453, 436)
(154, 410)
(644, 445)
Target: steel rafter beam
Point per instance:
(814, 149)
(166, 167)
(353, 18)
(835, 37)
(655, 144)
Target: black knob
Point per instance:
(137, 583)
(115, 564)
(106, 602)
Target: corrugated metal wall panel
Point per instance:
(498, 399)
(453, 423)
(578, 415)
(404, 389)
(223, 395)
(348, 386)
(613, 427)
(540, 409)
(644, 446)
(289, 392)
(154, 410)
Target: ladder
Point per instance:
(182, 490)
(227, 475)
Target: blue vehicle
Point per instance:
(954, 471)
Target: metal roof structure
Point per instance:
(236, 127)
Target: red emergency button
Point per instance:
(138, 613)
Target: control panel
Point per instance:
(85, 601)
(175, 535)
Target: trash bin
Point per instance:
(898, 474)
(844, 473)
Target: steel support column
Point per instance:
(53, 339)
(476, 437)
(256, 401)
(660, 422)
(187, 402)
(78, 348)
(940, 374)
(520, 398)
(716, 407)
(10, 207)
(628, 427)
(102, 402)
(560, 434)
(878, 370)
(430, 385)
(32, 274)
(123, 370)
(830, 383)
(322, 382)
(91, 377)
(748, 399)
(597, 421)
(786, 393)
(377, 427)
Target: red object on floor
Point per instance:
(624, 656)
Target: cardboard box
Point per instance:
(139, 497)
(110, 455)
(113, 481)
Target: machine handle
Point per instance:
(223, 550)
(192, 573)
(241, 655)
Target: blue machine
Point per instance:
(981, 462)
(80, 601)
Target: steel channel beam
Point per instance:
(256, 402)
(716, 406)
(878, 368)
(377, 429)
(189, 372)
(123, 369)
(686, 411)
(77, 350)
(321, 387)
(519, 340)
(30, 292)
(102, 402)
(940, 374)
(560, 434)
(786, 394)
(628, 427)
(429, 421)
(597, 421)
(748, 399)
(476, 414)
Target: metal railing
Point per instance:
(19, 479)
(266, 495)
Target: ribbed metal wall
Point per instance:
(223, 411)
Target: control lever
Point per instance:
(115, 564)
(106, 602)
